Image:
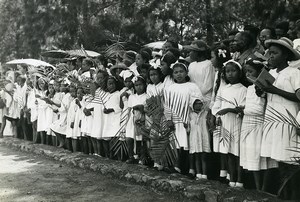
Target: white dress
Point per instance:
(179, 99)
(77, 122)
(87, 121)
(202, 74)
(154, 90)
(251, 133)
(32, 106)
(168, 81)
(134, 100)
(98, 103)
(199, 137)
(41, 112)
(73, 108)
(112, 120)
(227, 140)
(60, 125)
(278, 137)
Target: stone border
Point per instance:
(203, 190)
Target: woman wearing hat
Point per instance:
(279, 138)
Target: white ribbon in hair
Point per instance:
(222, 52)
(184, 65)
(135, 78)
(126, 74)
(234, 62)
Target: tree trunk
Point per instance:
(209, 28)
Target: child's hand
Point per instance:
(87, 112)
(108, 111)
(77, 102)
(125, 94)
(298, 131)
(269, 88)
(72, 125)
(218, 121)
(240, 109)
(170, 125)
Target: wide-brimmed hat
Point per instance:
(197, 46)
(285, 42)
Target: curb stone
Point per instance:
(206, 191)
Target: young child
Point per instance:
(112, 114)
(128, 90)
(166, 61)
(41, 93)
(31, 106)
(59, 127)
(49, 111)
(75, 118)
(87, 121)
(227, 109)
(136, 120)
(252, 126)
(155, 86)
(179, 100)
(97, 108)
(219, 56)
(72, 110)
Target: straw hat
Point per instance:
(285, 42)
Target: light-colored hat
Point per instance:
(285, 42)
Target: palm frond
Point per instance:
(234, 103)
(116, 50)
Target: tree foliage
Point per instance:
(28, 27)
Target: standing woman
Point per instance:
(278, 138)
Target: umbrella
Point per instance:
(159, 45)
(32, 62)
(83, 53)
(55, 54)
(70, 53)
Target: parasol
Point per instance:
(159, 45)
(32, 62)
(83, 53)
(55, 54)
(70, 53)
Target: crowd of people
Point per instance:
(233, 99)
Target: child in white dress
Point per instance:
(87, 121)
(112, 114)
(41, 94)
(136, 120)
(252, 126)
(98, 104)
(59, 127)
(179, 100)
(76, 133)
(227, 109)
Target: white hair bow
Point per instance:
(222, 52)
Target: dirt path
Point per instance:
(27, 177)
